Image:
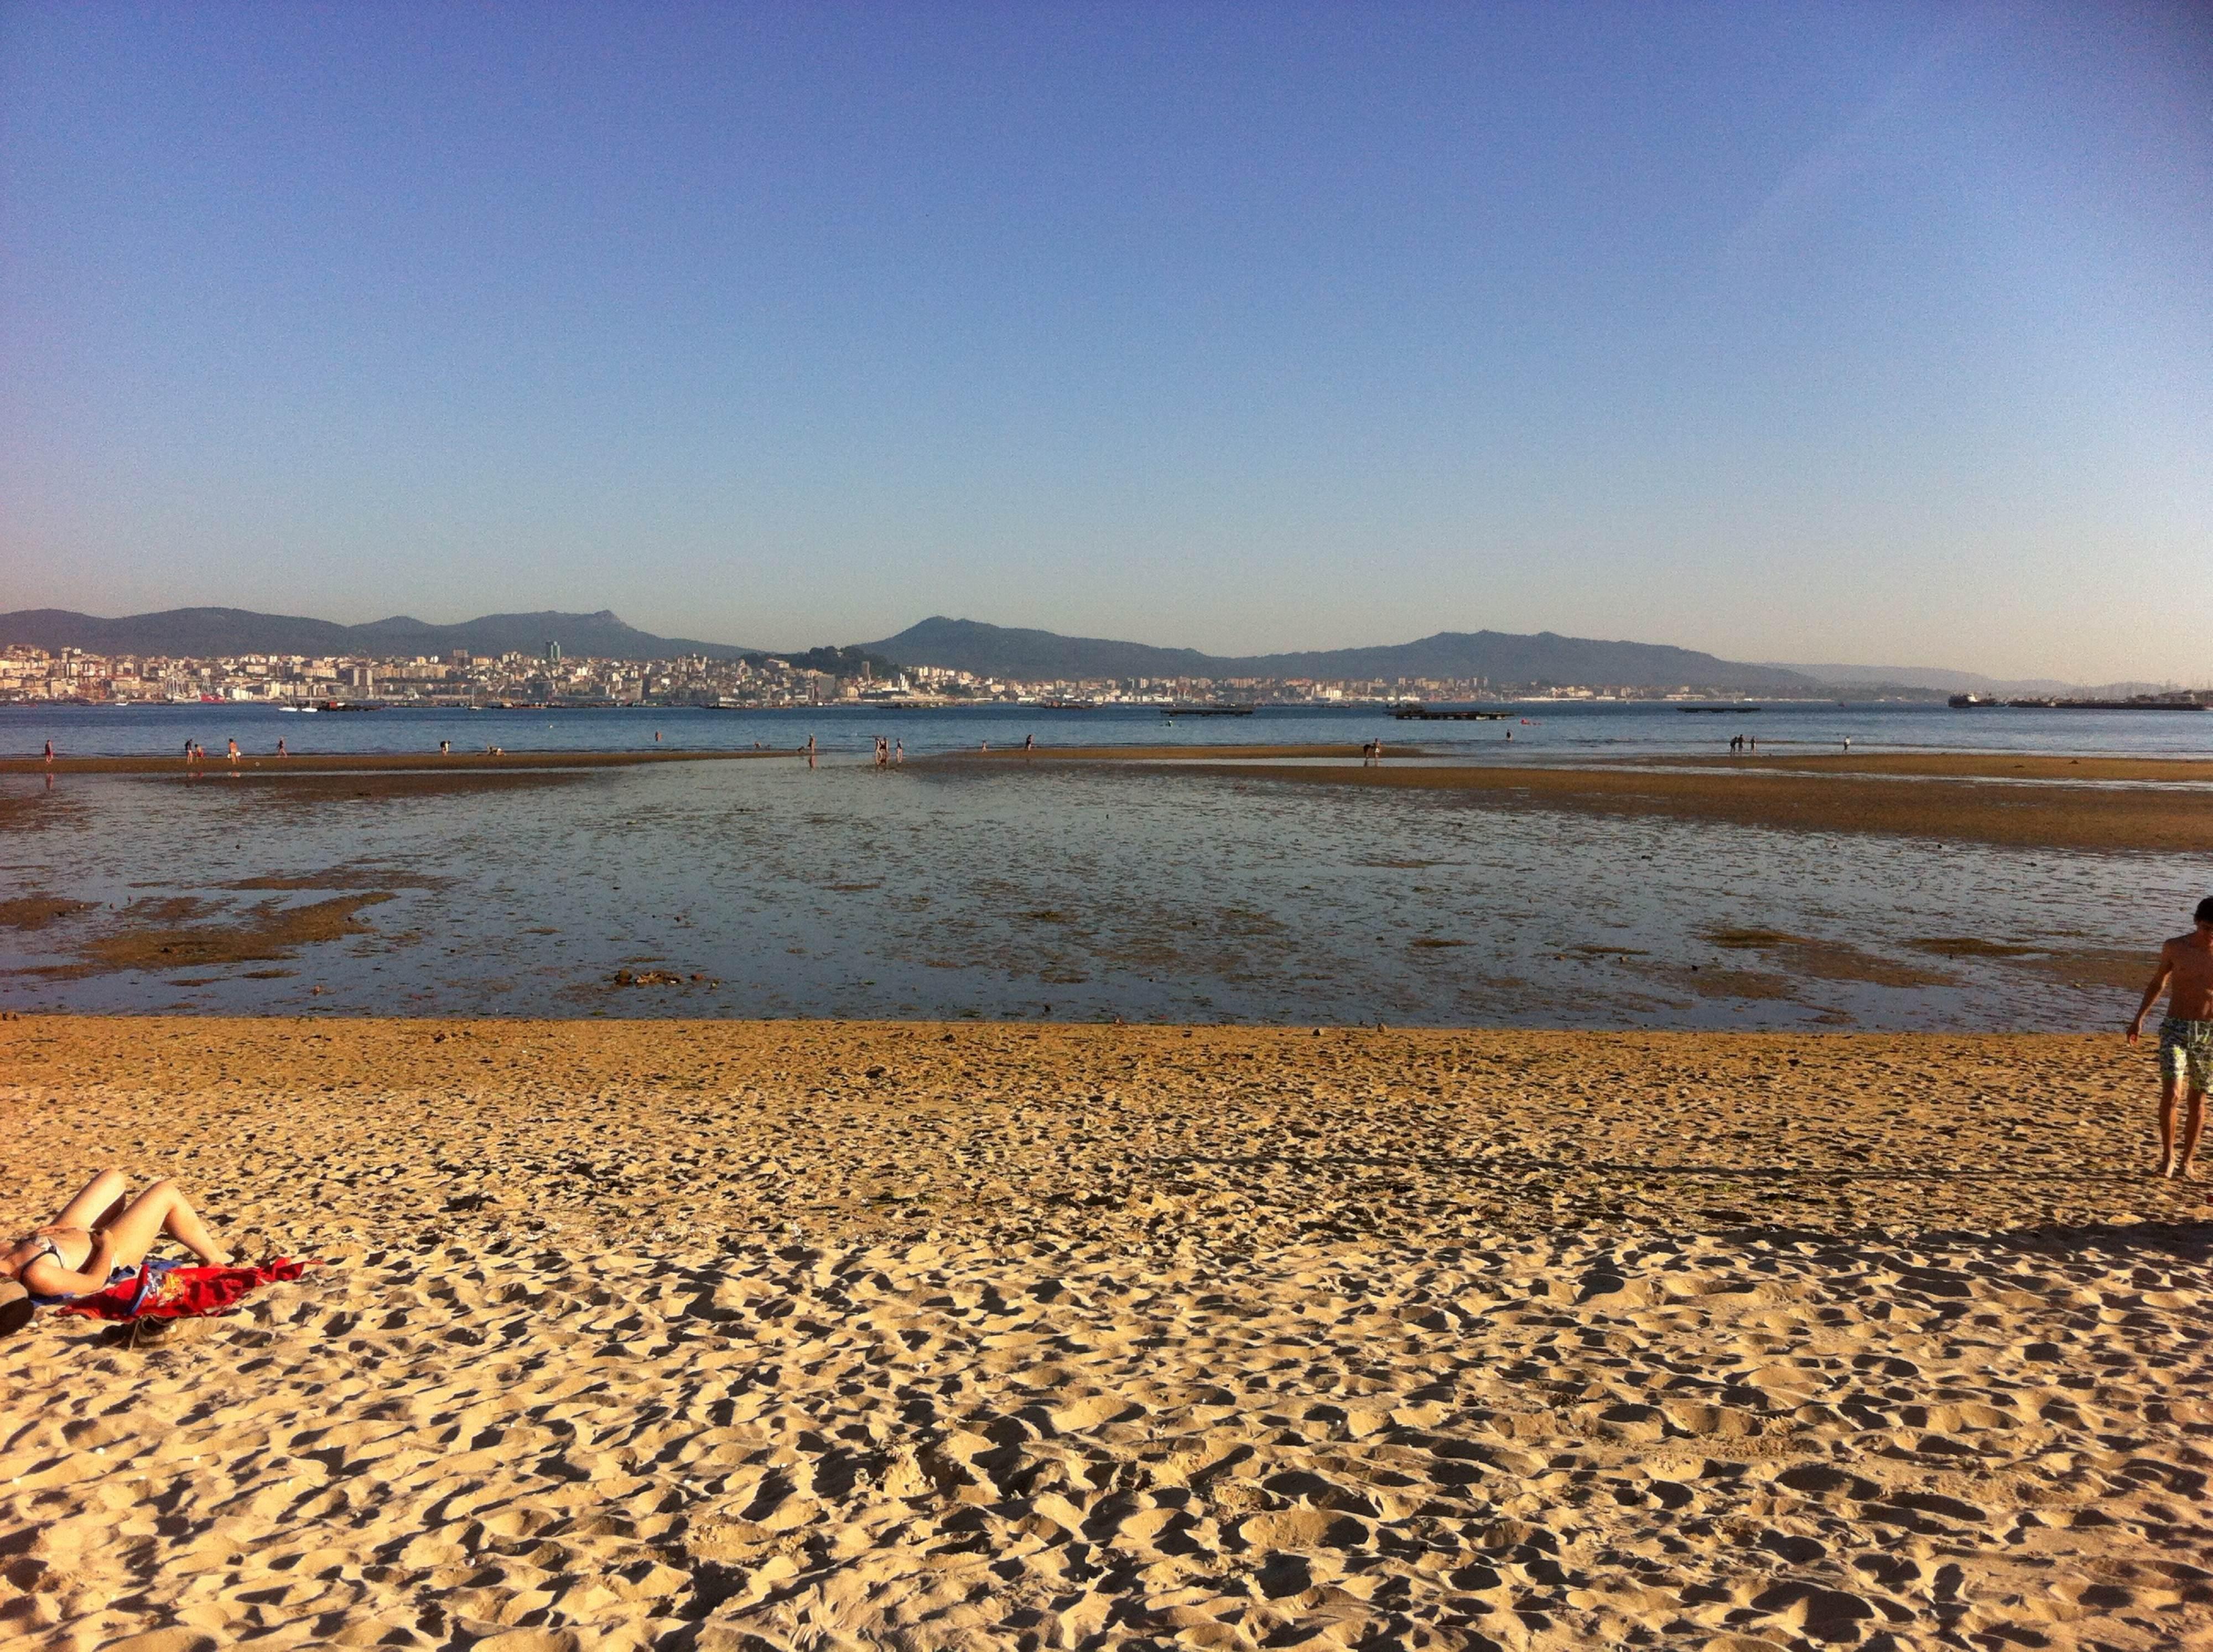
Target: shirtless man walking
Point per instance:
(2186, 1038)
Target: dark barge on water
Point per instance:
(1412, 712)
(2134, 702)
(1208, 710)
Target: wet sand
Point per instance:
(1964, 765)
(2048, 803)
(36, 912)
(311, 787)
(2018, 816)
(176, 934)
(743, 1335)
(1152, 753)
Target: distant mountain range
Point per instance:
(199, 632)
(1001, 651)
(1968, 682)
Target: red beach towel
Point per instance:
(169, 1290)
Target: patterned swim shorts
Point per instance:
(2185, 1052)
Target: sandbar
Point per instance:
(1962, 766)
(2021, 815)
(1150, 753)
(162, 934)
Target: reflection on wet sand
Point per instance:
(360, 876)
(1054, 890)
(1825, 961)
(345, 786)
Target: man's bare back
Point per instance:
(2186, 969)
(2186, 1038)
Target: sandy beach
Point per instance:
(730, 1335)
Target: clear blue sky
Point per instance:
(1862, 332)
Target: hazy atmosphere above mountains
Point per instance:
(1800, 333)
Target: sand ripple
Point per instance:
(525, 1412)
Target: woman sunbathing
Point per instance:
(97, 1237)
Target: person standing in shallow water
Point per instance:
(2186, 1038)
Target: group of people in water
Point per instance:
(195, 754)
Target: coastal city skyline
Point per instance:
(550, 657)
(1797, 333)
(979, 828)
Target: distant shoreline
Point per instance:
(263, 765)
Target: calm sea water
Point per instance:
(1067, 893)
(1541, 728)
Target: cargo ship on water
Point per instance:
(1414, 711)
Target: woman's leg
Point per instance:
(163, 1209)
(98, 1204)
